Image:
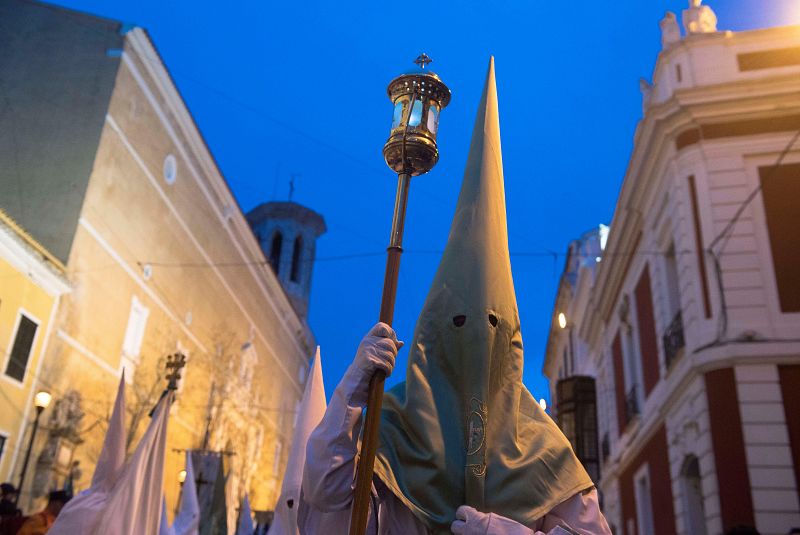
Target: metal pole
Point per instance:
(28, 453)
(369, 442)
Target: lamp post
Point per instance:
(41, 400)
(418, 98)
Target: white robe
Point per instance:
(328, 483)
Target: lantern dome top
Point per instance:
(421, 81)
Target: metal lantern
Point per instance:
(418, 98)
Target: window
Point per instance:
(3, 440)
(672, 338)
(647, 349)
(780, 189)
(275, 252)
(631, 360)
(577, 416)
(678, 73)
(694, 515)
(398, 114)
(672, 282)
(21, 348)
(134, 335)
(416, 114)
(296, 258)
(644, 507)
(247, 366)
(433, 119)
(698, 240)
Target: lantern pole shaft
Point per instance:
(369, 441)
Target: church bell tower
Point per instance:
(287, 233)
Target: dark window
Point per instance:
(21, 350)
(648, 341)
(577, 417)
(3, 440)
(698, 239)
(780, 188)
(678, 73)
(275, 252)
(296, 258)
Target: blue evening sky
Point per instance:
(298, 88)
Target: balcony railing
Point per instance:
(632, 403)
(673, 340)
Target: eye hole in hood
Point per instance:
(493, 320)
(459, 320)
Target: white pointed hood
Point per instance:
(310, 413)
(463, 429)
(187, 521)
(245, 526)
(112, 456)
(80, 514)
(133, 506)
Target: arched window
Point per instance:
(692, 490)
(296, 257)
(275, 252)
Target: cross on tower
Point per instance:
(423, 60)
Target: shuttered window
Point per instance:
(21, 349)
(648, 342)
(780, 189)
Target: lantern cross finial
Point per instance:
(423, 60)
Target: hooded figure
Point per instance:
(463, 444)
(462, 428)
(309, 414)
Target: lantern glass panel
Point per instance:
(416, 114)
(433, 119)
(398, 114)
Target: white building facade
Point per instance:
(688, 327)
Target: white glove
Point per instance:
(377, 351)
(470, 521)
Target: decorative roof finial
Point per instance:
(699, 18)
(670, 31)
(423, 60)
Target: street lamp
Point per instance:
(181, 481)
(418, 98)
(41, 400)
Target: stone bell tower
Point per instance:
(287, 233)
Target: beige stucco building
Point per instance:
(113, 176)
(676, 364)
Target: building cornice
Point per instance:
(28, 256)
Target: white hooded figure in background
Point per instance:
(309, 414)
(125, 497)
(187, 519)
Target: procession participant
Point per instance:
(41, 522)
(464, 447)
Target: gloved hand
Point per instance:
(377, 351)
(470, 521)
